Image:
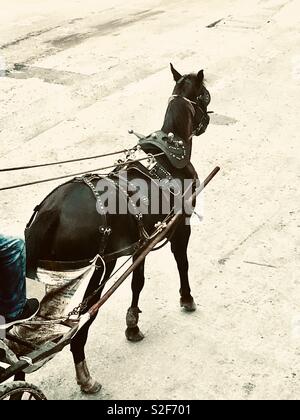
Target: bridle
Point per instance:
(201, 104)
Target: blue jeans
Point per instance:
(12, 276)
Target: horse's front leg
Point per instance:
(133, 332)
(87, 384)
(179, 246)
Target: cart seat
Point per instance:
(64, 291)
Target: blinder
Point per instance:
(204, 98)
(202, 103)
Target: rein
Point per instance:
(44, 165)
(118, 164)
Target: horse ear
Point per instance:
(177, 76)
(200, 76)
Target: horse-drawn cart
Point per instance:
(169, 180)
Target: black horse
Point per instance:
(65, 227)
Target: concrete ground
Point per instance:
(75, 76)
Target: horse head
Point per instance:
(191, 88)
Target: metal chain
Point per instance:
(83, 306)
(87, 180)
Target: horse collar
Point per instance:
(176, 149)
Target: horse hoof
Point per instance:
(84, 379)
(92, 388)
(134, 335)
(188, 306)
(132, 317)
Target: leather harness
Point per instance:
(178, 153)
(175, 149)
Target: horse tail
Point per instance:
(38, 235)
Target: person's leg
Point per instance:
(12, 276)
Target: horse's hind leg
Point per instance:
(179, 246)
(84, 379)
(133, 332)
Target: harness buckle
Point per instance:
(105, 230)
(151, 162)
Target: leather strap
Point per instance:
(104, 229)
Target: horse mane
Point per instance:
(178, 118)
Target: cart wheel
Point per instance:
(20, 391)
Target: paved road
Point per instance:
(76, 76)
